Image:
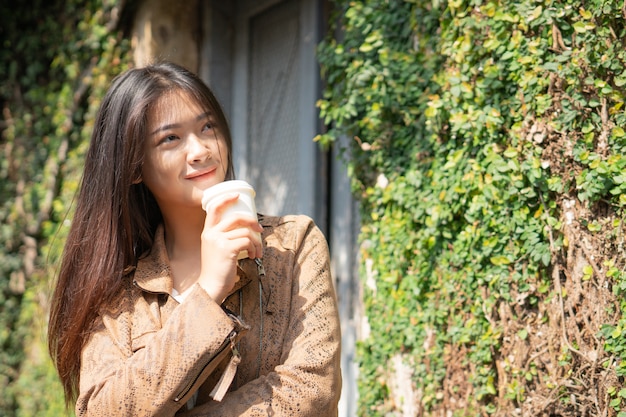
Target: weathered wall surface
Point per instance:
(166, 30)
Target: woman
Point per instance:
(152, 314)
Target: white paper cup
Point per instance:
(244, 205)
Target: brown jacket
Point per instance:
(149, 354)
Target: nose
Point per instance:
(197, 149)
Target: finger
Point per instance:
(248, 240)
(216, 209)
(258, 246)
(238, 245)
(255, 246)
(240, 221)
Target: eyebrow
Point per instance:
(199, 117)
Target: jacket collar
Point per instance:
(153, 273)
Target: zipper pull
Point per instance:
(259, 267)
(233, 345)
(221, 388)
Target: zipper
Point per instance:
(228, 342)
(221, 388)
(259, 267)
(261, 271)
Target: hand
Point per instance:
(222, 241)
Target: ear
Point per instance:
(138, 180)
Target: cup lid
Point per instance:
(224, 187)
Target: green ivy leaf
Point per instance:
(500, 260)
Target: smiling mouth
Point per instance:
(196, 176)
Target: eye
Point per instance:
(168, 139)
(208, 126)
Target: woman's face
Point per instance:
(184, 152)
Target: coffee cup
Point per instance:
(244, 205)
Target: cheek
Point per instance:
(156, 171)
(221, 150)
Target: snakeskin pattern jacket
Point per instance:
(271, 349)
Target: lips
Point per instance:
(200, 175)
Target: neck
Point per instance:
(183, 244)
(182, 231)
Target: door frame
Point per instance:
(309, 152)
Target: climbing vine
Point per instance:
(487, 156)
(55, 61)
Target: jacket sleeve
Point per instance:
(308, 380)
(159, 377)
